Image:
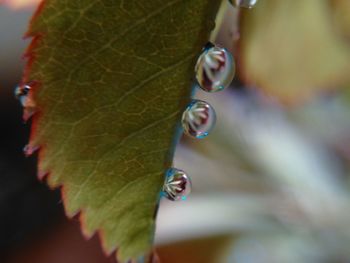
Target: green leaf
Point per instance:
(341, 18)
(113, 78)
(292, 50)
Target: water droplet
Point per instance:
(244, 3)
(24, 94)
(177, 185)
(215, 69)
(29, 150)
(198, 119)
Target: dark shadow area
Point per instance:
(27, 207)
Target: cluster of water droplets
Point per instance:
(214, 71)
(24, 94)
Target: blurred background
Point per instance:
(271, 182)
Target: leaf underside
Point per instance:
(113, 78)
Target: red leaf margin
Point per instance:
(29, 56)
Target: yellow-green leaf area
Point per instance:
(292, 49)
(114, 77)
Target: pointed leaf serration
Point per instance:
(113, 78)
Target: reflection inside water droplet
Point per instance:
(244, 3)
(198, 119)
(215, 69)
(177, 185)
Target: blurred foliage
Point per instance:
(281, 181)
(341, 9)
(275, 172)
(293, 50)
(209, 250)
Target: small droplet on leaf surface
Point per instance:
(244, 3)
(21, 93)
(198, 119)
(24, 94)
(177, 185)
(29, 150)
(215, 69)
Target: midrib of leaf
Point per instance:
(137, 23)
(108, 110)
